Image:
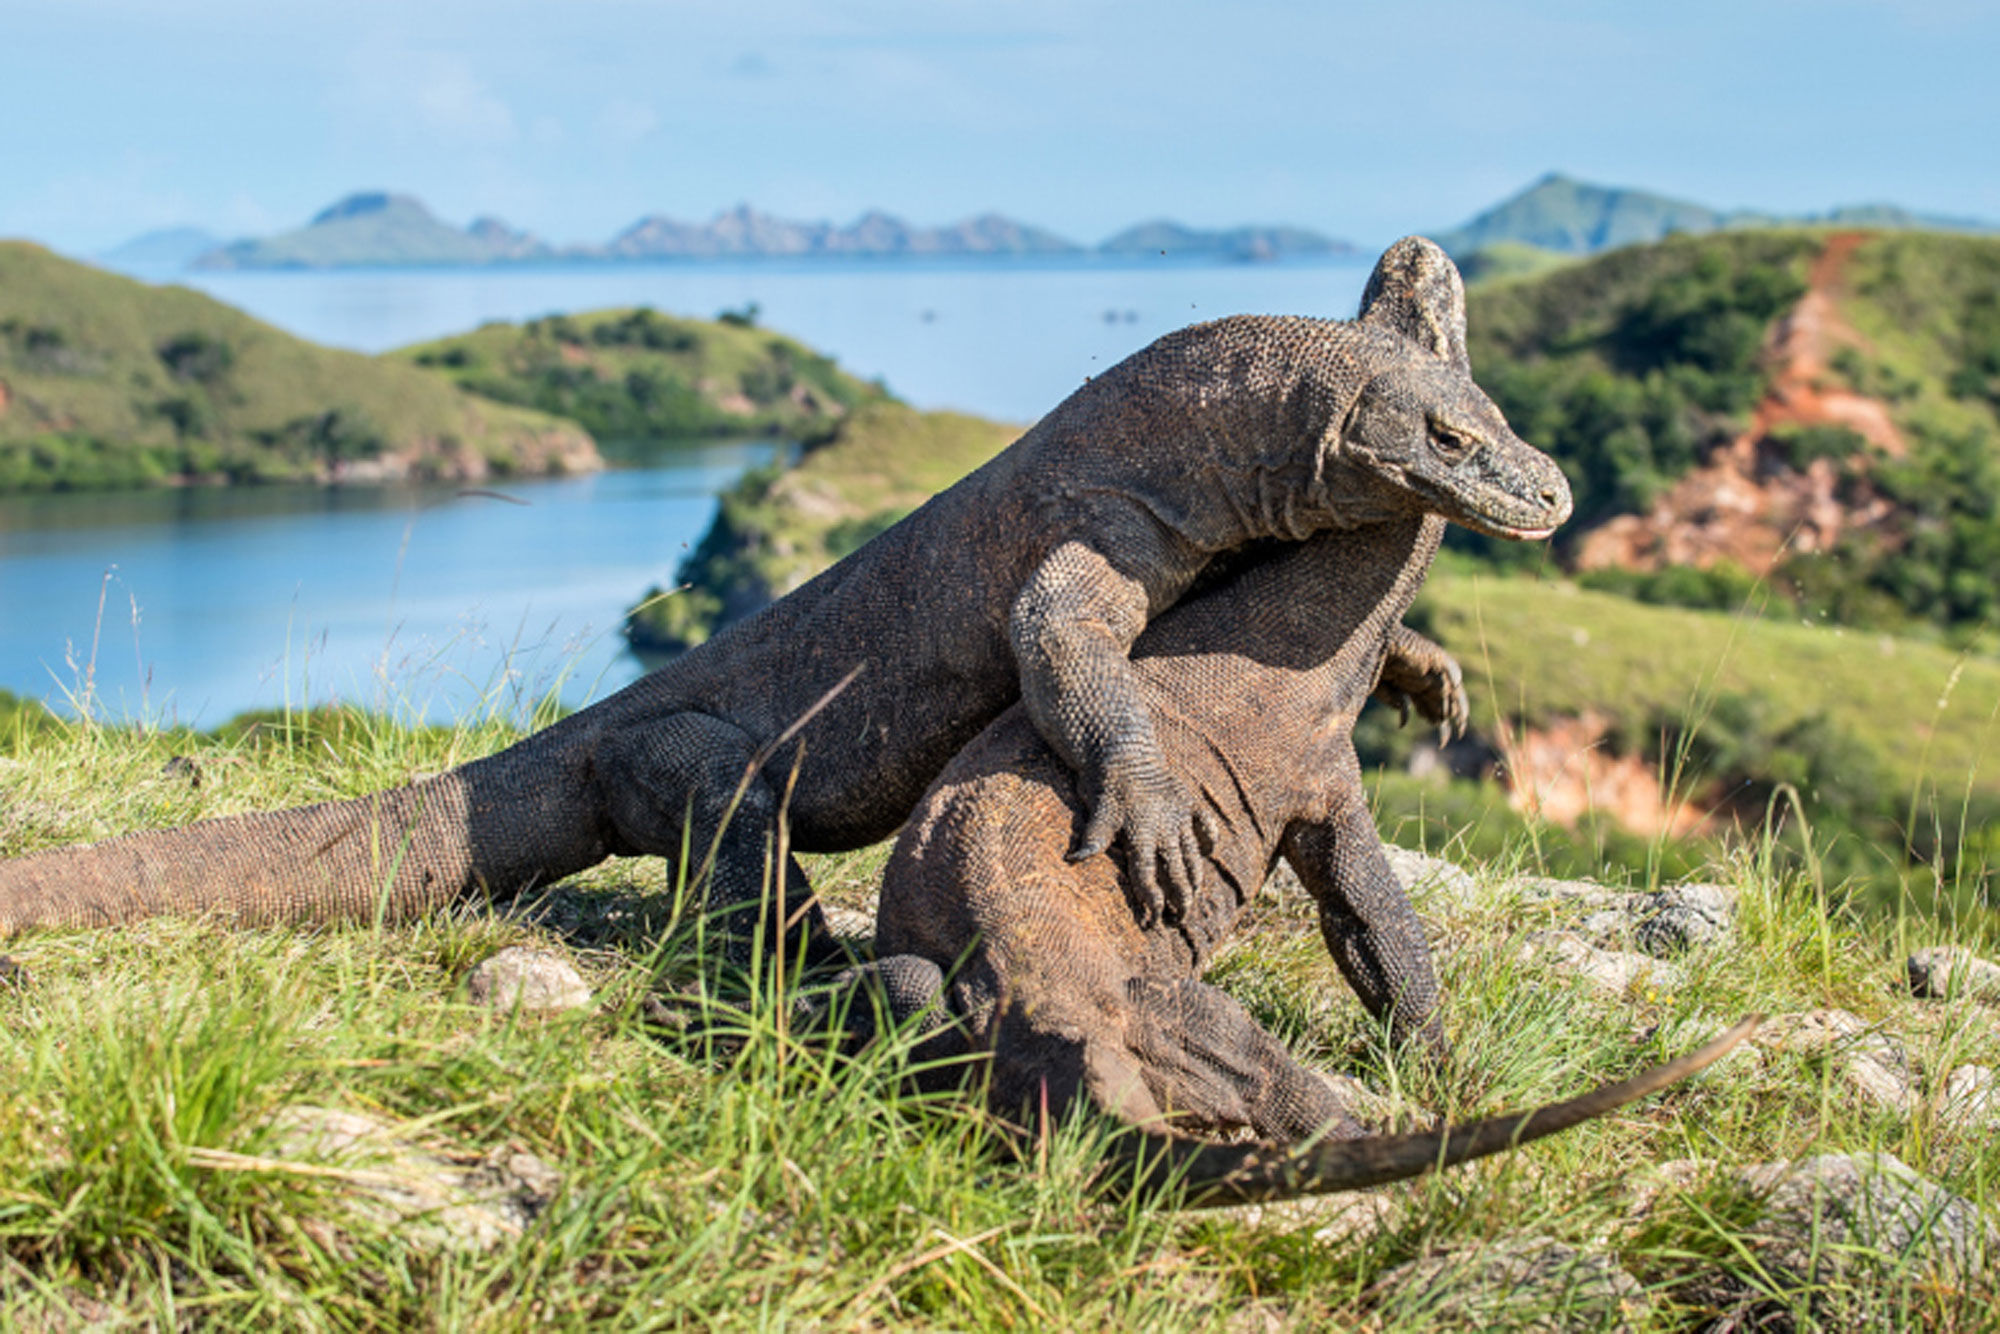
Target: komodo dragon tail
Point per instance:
(495, 825)
(1220, 1174)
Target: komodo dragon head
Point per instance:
(1422, 428)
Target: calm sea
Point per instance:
(197, 605)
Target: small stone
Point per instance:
(1516, 1283)
(1682, 918)
(1617, 973)
(527, 979)
(432, 1201)
(1948, 971)
(849, 924)
(1971, 1098)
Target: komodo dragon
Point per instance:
(1029, 578)
(994, 942)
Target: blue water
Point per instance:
(196, 605)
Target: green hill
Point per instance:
(639, 375)
(376, 228)
(1563, 215)
(105, 382)
(1575, 217)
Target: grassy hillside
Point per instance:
(639, 375)
(108, 382)
(709, 1167)
(1629, 367)
(1844, 382)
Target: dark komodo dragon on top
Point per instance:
(1029, 578)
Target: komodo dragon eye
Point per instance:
(1452, 446)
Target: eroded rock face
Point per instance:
(432, 1200)
(1952, 972)
(1516, 1283)
(527, 979)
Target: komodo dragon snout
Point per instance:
(1426, 429)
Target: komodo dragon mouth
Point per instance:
(1486, 509)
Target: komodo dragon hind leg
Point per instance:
(688, 782)
(1207, 1061)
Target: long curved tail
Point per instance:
(496, 825)
(1220, 1174)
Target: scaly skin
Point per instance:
(1030, 578)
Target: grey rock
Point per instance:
(1950, 971)
(1334, 1219)
(433, 1201)
(1853, 1224)
(528, 979)
(1662, 923)
(1871, 1065)
(1683, 917)
(1516, 1283)
(850, 923)
(1617, 973)
(1423, 875)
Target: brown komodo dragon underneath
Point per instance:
(1030, 578)
(992, 940)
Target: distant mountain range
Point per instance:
(377, 228)
(1561, 214)
(1555, 216)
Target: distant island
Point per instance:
(377, 228)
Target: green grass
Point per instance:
(110, 382)
(734, 1175)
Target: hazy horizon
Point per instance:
(1361, 121)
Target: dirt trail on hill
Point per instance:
(1745, 505)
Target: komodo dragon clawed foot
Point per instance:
(1419, 672)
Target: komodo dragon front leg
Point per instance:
(1073, 628)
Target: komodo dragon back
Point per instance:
(1219, 1174)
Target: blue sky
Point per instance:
(1365, 120)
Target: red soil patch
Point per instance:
(1563, 771)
